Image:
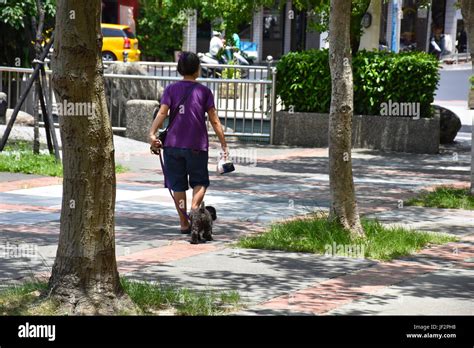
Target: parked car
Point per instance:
(117, 40)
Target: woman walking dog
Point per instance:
(186, 144)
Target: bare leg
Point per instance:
(180, 198)
(198, 196)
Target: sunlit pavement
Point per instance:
(270, 183)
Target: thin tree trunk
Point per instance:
(84, 276)
(467, 9)
(343, 203)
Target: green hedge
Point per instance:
(304, 80)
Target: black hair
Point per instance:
(188, 63)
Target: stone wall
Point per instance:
(139, 118)
(400, 134)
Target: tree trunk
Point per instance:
(84, 277)
(343, 203)
(467, 9)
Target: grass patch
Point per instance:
(19, 158)
(150, 298)
(320, 236)
(119, 169)
(444, 197)
(29, 163)
(24, 300)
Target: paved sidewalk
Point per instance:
(269, 184)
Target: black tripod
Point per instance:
(38, 76)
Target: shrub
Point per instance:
(472, 82)
(304, 80)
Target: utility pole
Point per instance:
(396, 16)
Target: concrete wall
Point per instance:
(400, 134)
(139, 118)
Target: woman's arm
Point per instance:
(157, 124)
(217, 126)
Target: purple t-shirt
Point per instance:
(188, 130)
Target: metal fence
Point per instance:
(169, 69)
(245, 106)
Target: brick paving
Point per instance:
(328, 295)
(282, 183)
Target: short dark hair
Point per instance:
(188, 63)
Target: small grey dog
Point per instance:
(201, 223)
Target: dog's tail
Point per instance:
(212, 211)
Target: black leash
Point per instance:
(163, 169)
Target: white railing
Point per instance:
(245, 106)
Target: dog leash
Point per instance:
(158, 152)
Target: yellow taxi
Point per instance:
(118, 39)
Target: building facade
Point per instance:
(117, 11)
(283, 28)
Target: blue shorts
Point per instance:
(183, 163)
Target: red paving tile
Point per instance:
(336, 292)
(452, 252)
(29, 183)
(24, 207)
(34, 228)
(316, 152)
(46, 181)
(457, 185)
(333, 293)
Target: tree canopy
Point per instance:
(17, 30)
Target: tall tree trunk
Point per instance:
(343, 203)
(84, 276)
(467, 9)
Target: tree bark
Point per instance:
(467, 9)
(343, 202)
(84, 276)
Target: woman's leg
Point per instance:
(180, 198)
(198, 175)
(176, 180)
(198, 196)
